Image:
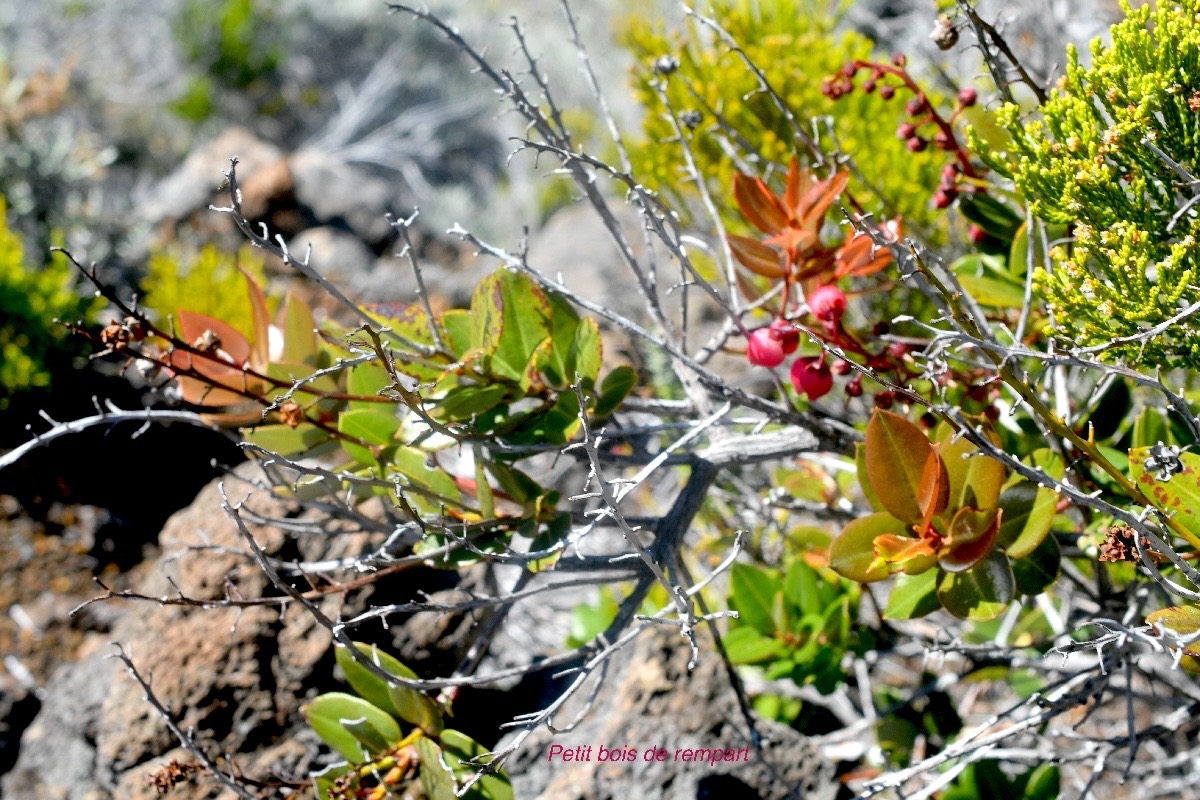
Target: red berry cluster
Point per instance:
(813, 375)
(924, 126)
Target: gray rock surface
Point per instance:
(652, 700)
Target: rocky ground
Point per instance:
(72, 723)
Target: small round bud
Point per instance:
(887, 91)
(978, 235)
(906, 130)
(854, 386)
(880, 328)
(943, 198)
(950, 172)
(666, 65)
(967, 96)
(841, 367)
(945, 141)
(885, 399)
(849, 69)
(916, 144)
(764, 349)
(828, 303)
(915, 106)
(868, 86)
(691, 118)
(899, 59)
(944, 34)
(897, 349)
(928, 421)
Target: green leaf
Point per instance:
(1150, 428)
(1036, 571)
(1029, 511)
(975, 479)
(864, 477)
(744, 645)
(463, 402)
(852, 553)
(300, 341)
(913, 596)
(801, 587)
(896, 454)
(996, 218)
(557, 354)
(980, 593)
(1183, 620)
(752, 594)
(367, 380)
(993, 292)
(374, 428)
(590, 620)
(411, 462)
(457, 332)
(510, 318)
(329, 714)
(403, 702)
(460, 750)
(1043, 784)
(326, 778)
(971, 537)
(588, 352)
(616, 386)
(284, 440)
(436, 780)
(1179, 496)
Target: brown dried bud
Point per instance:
(114, 336)
(137, 331)
(207, 342)
(944, 34)
(1118, 544)
(291, 414)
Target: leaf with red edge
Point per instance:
(896, 454)
(260, 350)
(758, 203)
(852, 552)
(193, 326)
(756, 256)
(971, 537)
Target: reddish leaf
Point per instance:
(759, 204)
(935, 488)
(817, 200)
(913, 555)
(897, 451)
(756, 256)
(972, 534)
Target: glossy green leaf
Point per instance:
(616, 387)
(329, 713)
(463, 402)
(367, 380)
(972, 535)
(913, 596)
(557, 355)
(975, 479)
(374, 432)
(852, 553)
(284, 440)
(980, 593)
(1043, 783)
(996, 218)
(403, 702)
(752, 594)
(588, 352)
(1038, 570)
(896, 454)
(456, 331)
(413, 463)
(1029, 511)
(589, 620)
(436, 780)
(1180, 496)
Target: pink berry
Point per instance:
(944, 141)
(942, 199)
(812, 377)
(854, 387)
(885, 399)
(786, 334)
(978, 234)
(764, 350)
(897, 349)
(887, 91)
(899, 59)
(906, 130)
(967, 97)
(827, 303)
(917, 144)
(840, 367)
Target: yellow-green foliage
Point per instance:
(1084, 163)
(796, 45)
(31, 299)
(208, 283)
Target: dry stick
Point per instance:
(189, 744)
(984, 31)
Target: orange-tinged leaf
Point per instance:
(852, 552)
(972, 534)
(260, 349)
(758, 203)
(817, 200)
(795, 187)
(756, 256)
(913, 555)
(860, 257)
(934, 493)
(192, 326)
(896, 454)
